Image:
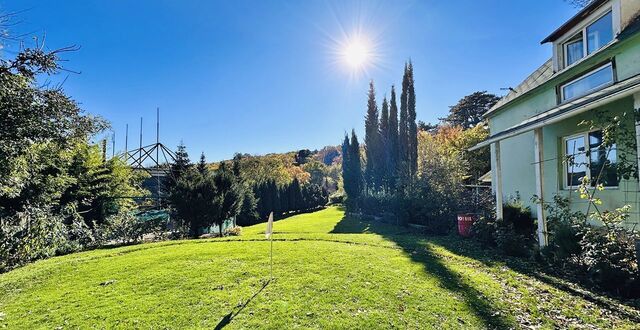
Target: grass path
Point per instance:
(330, 272)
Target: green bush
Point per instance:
(376, 203)
(603, 255)
(35, 233)
(514, 235)
(565, 230)
(484, 230)
(609, 253)
(337, 197)
(427, 208)
(123, 228)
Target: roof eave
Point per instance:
(573, 21)
(614, 92)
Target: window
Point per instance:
(576, 158)
(597, 35)
(588, 83)
(586, 156)
(574, 49)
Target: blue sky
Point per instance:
(263, 76)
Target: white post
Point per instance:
(498, 180)
(538, 164)
(636, 110)
(636, 107)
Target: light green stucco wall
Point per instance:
(517, 153)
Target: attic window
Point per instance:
(574, 49)
(597, 35)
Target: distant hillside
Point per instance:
(321, 167)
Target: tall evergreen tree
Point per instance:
(202, 165)
(295, 195)
(384, 120)
(372, 142)
(277, 205)
(179, 167)
(346, 166)
(384, 144)
(355, 167)
(393, 139)
(182, 158)
(248, 214)
(403, 131)
(413, 127)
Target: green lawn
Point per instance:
(330, 272)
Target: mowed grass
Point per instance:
(330, 272)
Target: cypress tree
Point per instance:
(277, 205)
(384, 120)
(413, 127)
(258, 190)
(346, 166)
(384, 143)
(295, 195)
(372, 142)
(393, 139)
(356, 167)
(403, 131)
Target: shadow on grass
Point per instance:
(229, 317)
(409, 241)
(550, 277)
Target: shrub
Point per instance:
(565, 230)
(123, 228)
(484, 230)
(604, 255)
(376, 203)
(519, 216)
(79, 236)
(233, 231)
(32, 234)
(337, 197)
(427, 208)
(609, 253)
(514, 234)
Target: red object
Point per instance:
(465, 221)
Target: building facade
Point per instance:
(541, 142)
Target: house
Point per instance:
(538, 146)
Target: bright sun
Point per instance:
(356, 54)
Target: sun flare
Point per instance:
(356, 54)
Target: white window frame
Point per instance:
(559, 46)
(587, 152)
(565, 49)
(613, 80)
(585, 41)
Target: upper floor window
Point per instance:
(587, 83)
(599, 33)
(590, 39)
(574, 49)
